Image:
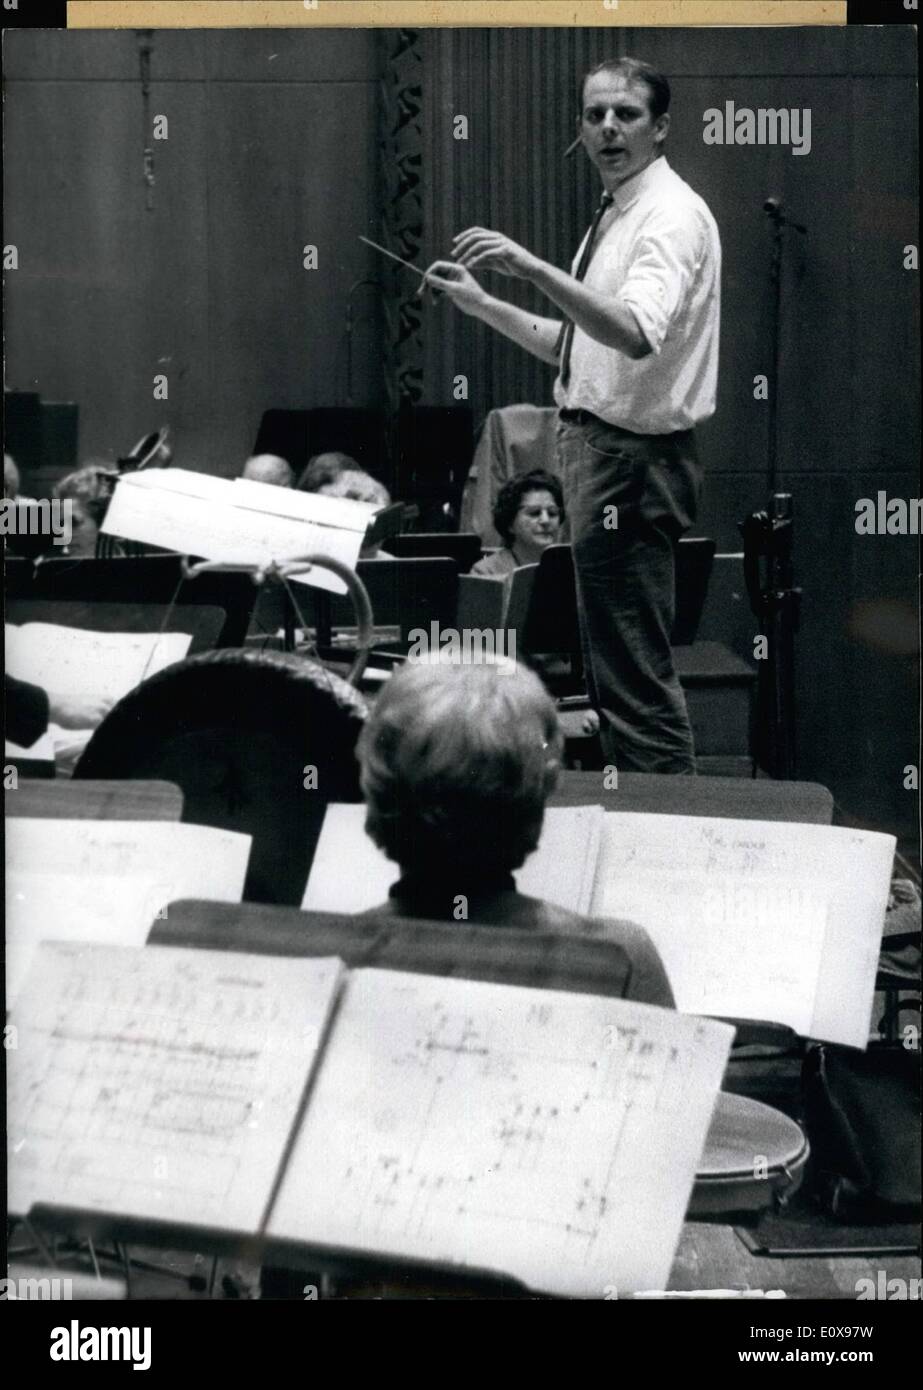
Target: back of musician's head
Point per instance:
(457, 761)
(268, 468)
(635, 70)
(358, 486)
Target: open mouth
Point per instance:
(610, 152)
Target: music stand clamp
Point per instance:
(774, 599)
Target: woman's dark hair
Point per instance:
(658, 88)
(509, 498)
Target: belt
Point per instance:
(586, 417)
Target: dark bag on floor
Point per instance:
(862, 1117)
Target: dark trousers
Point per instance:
(629, 497)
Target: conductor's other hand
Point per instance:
(478, 248)
(458, 283)
(77, 711)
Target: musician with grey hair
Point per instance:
(457, 762)
(269, 468)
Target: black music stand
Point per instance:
(202, 622)
(405, 594)
(146, 579)
(464, 547)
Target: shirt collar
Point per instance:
(630, 191)
(426, 894)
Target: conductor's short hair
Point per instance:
(658, 88)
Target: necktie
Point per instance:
(567, 332)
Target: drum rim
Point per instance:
(794, 1157)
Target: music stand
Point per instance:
(464, 547)
(144, 579)
(203, 623)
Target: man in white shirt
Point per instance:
(638, 356)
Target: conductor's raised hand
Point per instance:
(478, 248)
(457, 283)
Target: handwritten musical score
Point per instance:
(237, 521)
(755, 919)
(160, 1083)
(561, 870)
(546, 1136)
(85, 664)
(108, 880)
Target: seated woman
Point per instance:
(457, 762)
(528, 516)
(323, 469)
(89, 490)
(338, 475)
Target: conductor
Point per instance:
(637, 354)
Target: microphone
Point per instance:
(773, 210)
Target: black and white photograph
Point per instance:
(462, 696)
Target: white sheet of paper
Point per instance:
(90, 880)
(343, 513)
(351, 874)
(160, 1083)
(548, 1136)
(42, 750)
(754, 919)
(237, 521)
(89, 664)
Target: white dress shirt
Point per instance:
(659, 254)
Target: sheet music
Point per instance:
(547, 1136)
(89, 664)
(755, 919)
(341, 512)
(162, 1082)
(236, 521)
(90, 880)
(561, 870)
(42, 750)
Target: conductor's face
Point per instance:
(618, 132)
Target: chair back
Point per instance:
(257, 742)
(503, 955)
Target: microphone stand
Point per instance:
(773, 209)
(768, 569)
(769, 574)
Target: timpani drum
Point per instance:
(753, 1161)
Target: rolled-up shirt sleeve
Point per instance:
(655, 289)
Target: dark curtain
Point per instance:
(401, 149)
(518, 90)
